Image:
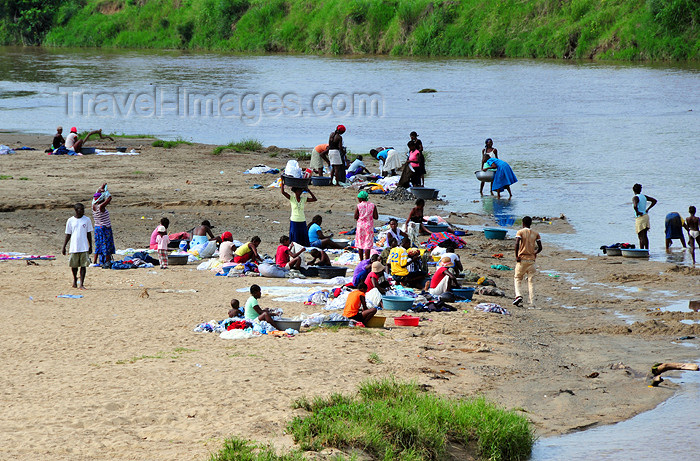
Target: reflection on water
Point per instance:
(501, 209)
(669, 431)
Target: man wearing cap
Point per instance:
(226, 248)
(443, 280)
(336, 154)
(75, 144)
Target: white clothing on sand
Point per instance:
(441, 288)
(393, 161)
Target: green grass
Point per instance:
(5, 176)
(374, 358)
(23, 178)
(602, 29)
(174, 354)
(246, 145)
(236, 449)
(300, 155)
(394, 420)
(170, 144)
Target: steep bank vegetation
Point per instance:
(602, 29)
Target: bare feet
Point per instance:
(75, 284)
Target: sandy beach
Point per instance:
(119, 374)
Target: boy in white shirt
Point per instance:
(79, 233)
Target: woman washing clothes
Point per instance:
(298, 232)
(104, 240)
(503, 178)
(488, 152)
(318, 239)
(365, 214)
(200, 234)
(414, 224)
(248, 252)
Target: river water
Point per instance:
(577, 134)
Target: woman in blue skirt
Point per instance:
(503, 176)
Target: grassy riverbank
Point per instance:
(599, 29)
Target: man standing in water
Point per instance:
(641, 224)
(336, 154)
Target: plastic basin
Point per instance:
(436, 227)
(634, 253)
(397, 303)
(613, 251)
(177, 260)
(465, 293)
(321, 180)
(426, 193)
(328, 272)
(295, 182)
(343, 242)
(288, 323)
(485, 176)
(406, 321)
(495, 234)
(376, 322)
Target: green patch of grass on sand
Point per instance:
(174, 354)
(246, 145)
(388, 419)
(170, 144)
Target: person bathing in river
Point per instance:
(75, 144)
(488, 152)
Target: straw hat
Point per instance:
(446, 262)
(377, 266)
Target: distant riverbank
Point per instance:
(572, 29)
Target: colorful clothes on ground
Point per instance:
(438, 237)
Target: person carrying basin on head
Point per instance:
(104, 240)
(298, 232)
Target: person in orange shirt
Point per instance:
(527, 247)
(355, 301)
(319, 154)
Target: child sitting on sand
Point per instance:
(162, 241)
(320, 258)
(285, 258)
(235, 310)
(248, 252)
(253, 310)
(355, 301)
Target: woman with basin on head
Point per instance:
(488, 152)
(503, 176)
(316, 237)
(298, 232)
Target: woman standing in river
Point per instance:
(487, 153)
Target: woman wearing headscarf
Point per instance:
(104, 240)
(365, 214)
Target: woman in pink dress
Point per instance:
(365, 214)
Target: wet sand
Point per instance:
(120, 375)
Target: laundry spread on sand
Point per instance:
(12, 256)
(261, 169)
(438, 237)
(492, 308)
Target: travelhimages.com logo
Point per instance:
(248, 107)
